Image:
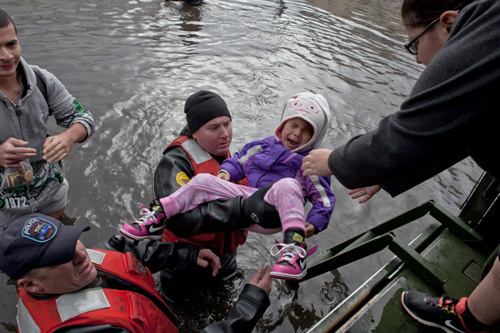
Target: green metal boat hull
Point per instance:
(449, 257)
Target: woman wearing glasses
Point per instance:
(452, 112)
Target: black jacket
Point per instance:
(452, 113)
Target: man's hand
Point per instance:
(59, 146)
(223, 175)
(207, 258)
(262, 279)
(365, 193)
(316, 163)
(13, 151)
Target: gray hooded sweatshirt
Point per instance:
(27, 120)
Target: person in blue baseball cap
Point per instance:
(64, 285)
(37, 241)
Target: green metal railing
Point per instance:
(382, 236)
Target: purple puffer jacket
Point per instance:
(266, 161)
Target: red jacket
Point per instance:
(202, 162)
(143, 311)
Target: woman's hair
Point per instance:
(5, 20)
(422, 12)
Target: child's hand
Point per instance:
(207, 258)
(223, 175)
(365, 193)
(310, 230)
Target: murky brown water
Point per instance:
(134, 63)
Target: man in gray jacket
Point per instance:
(31, 170)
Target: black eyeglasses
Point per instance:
(410, 46)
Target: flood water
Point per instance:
(133, 63)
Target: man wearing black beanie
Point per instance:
(217, 225)
(203, 145)
(203, 106)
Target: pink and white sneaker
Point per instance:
(149, 226)
(292, 263)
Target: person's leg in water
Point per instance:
(286, 196)
(200, 189)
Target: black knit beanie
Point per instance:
(203, 106)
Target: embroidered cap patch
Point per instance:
(39, 230)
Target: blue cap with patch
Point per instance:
(35, 241)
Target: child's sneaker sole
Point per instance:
(289, 277)
(135, 237)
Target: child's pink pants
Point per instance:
(285, 195)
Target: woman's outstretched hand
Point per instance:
(316, 163)
(365, 193)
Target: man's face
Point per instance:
(68, 277)
(215, 136)
(295, 133)
(10, 51)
